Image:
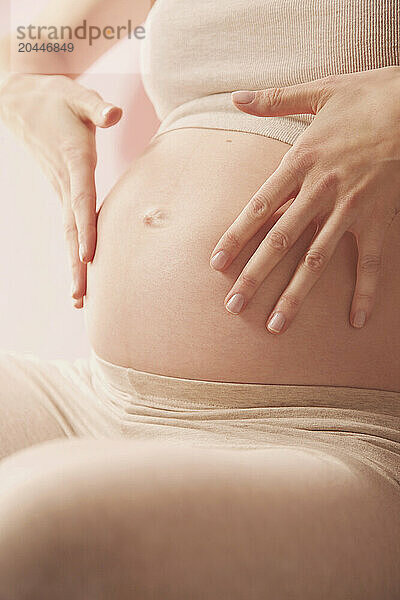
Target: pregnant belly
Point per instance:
(154, 304)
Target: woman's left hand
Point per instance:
(344, 175)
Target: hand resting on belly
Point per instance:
(154, 304)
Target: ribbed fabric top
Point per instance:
(197, 52)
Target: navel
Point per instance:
(155, 217)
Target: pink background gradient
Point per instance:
(36, 312)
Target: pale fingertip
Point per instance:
(276, 322)
(243, 97)
(84, 253)
(219, 260)
(78, 303)
(107, 111)
(235, 304)
(359, 319)
(111, 114)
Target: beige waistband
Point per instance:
(192, 393)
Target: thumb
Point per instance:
(109, 115)
(302, 98)
(90, 106)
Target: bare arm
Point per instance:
(57, 117)
(108, 19)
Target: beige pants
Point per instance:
(120, 484)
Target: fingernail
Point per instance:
(73, 289)
(243, 97)
(82, 252)
(219, 260)
(276, 322)
(106, 111)
(359, 318)
(235, 304)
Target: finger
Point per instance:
(78, 303)
(302, 98)
(370, 251)
(78, 269)
(89, 105)
(277, 190)
(272, 249)
(83, 200)
(308, 272)
(78, 286)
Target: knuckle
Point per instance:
(315, 260)
(249, 281)
(291, 300)
(92, 99)
(69, 229)
(350, 204)
(259, 207)
(370, 263)
(89, 228)
(81, 199)
(233, 239)
(71, 151)
(77, 153)
(353, 200)
(277, 240)
(91, 96)
(303, 157)
(273, 97)
(328, 182)
(361, 298)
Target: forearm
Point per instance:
(32, 64)
(59, 23)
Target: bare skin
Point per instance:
(153, 302)
(129, 519)
(165, 227)
(34, 86)
(344, 179)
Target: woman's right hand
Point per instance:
(57, 118)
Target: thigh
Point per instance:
(151, 520)
(27, 414)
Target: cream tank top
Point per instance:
(197, 52)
